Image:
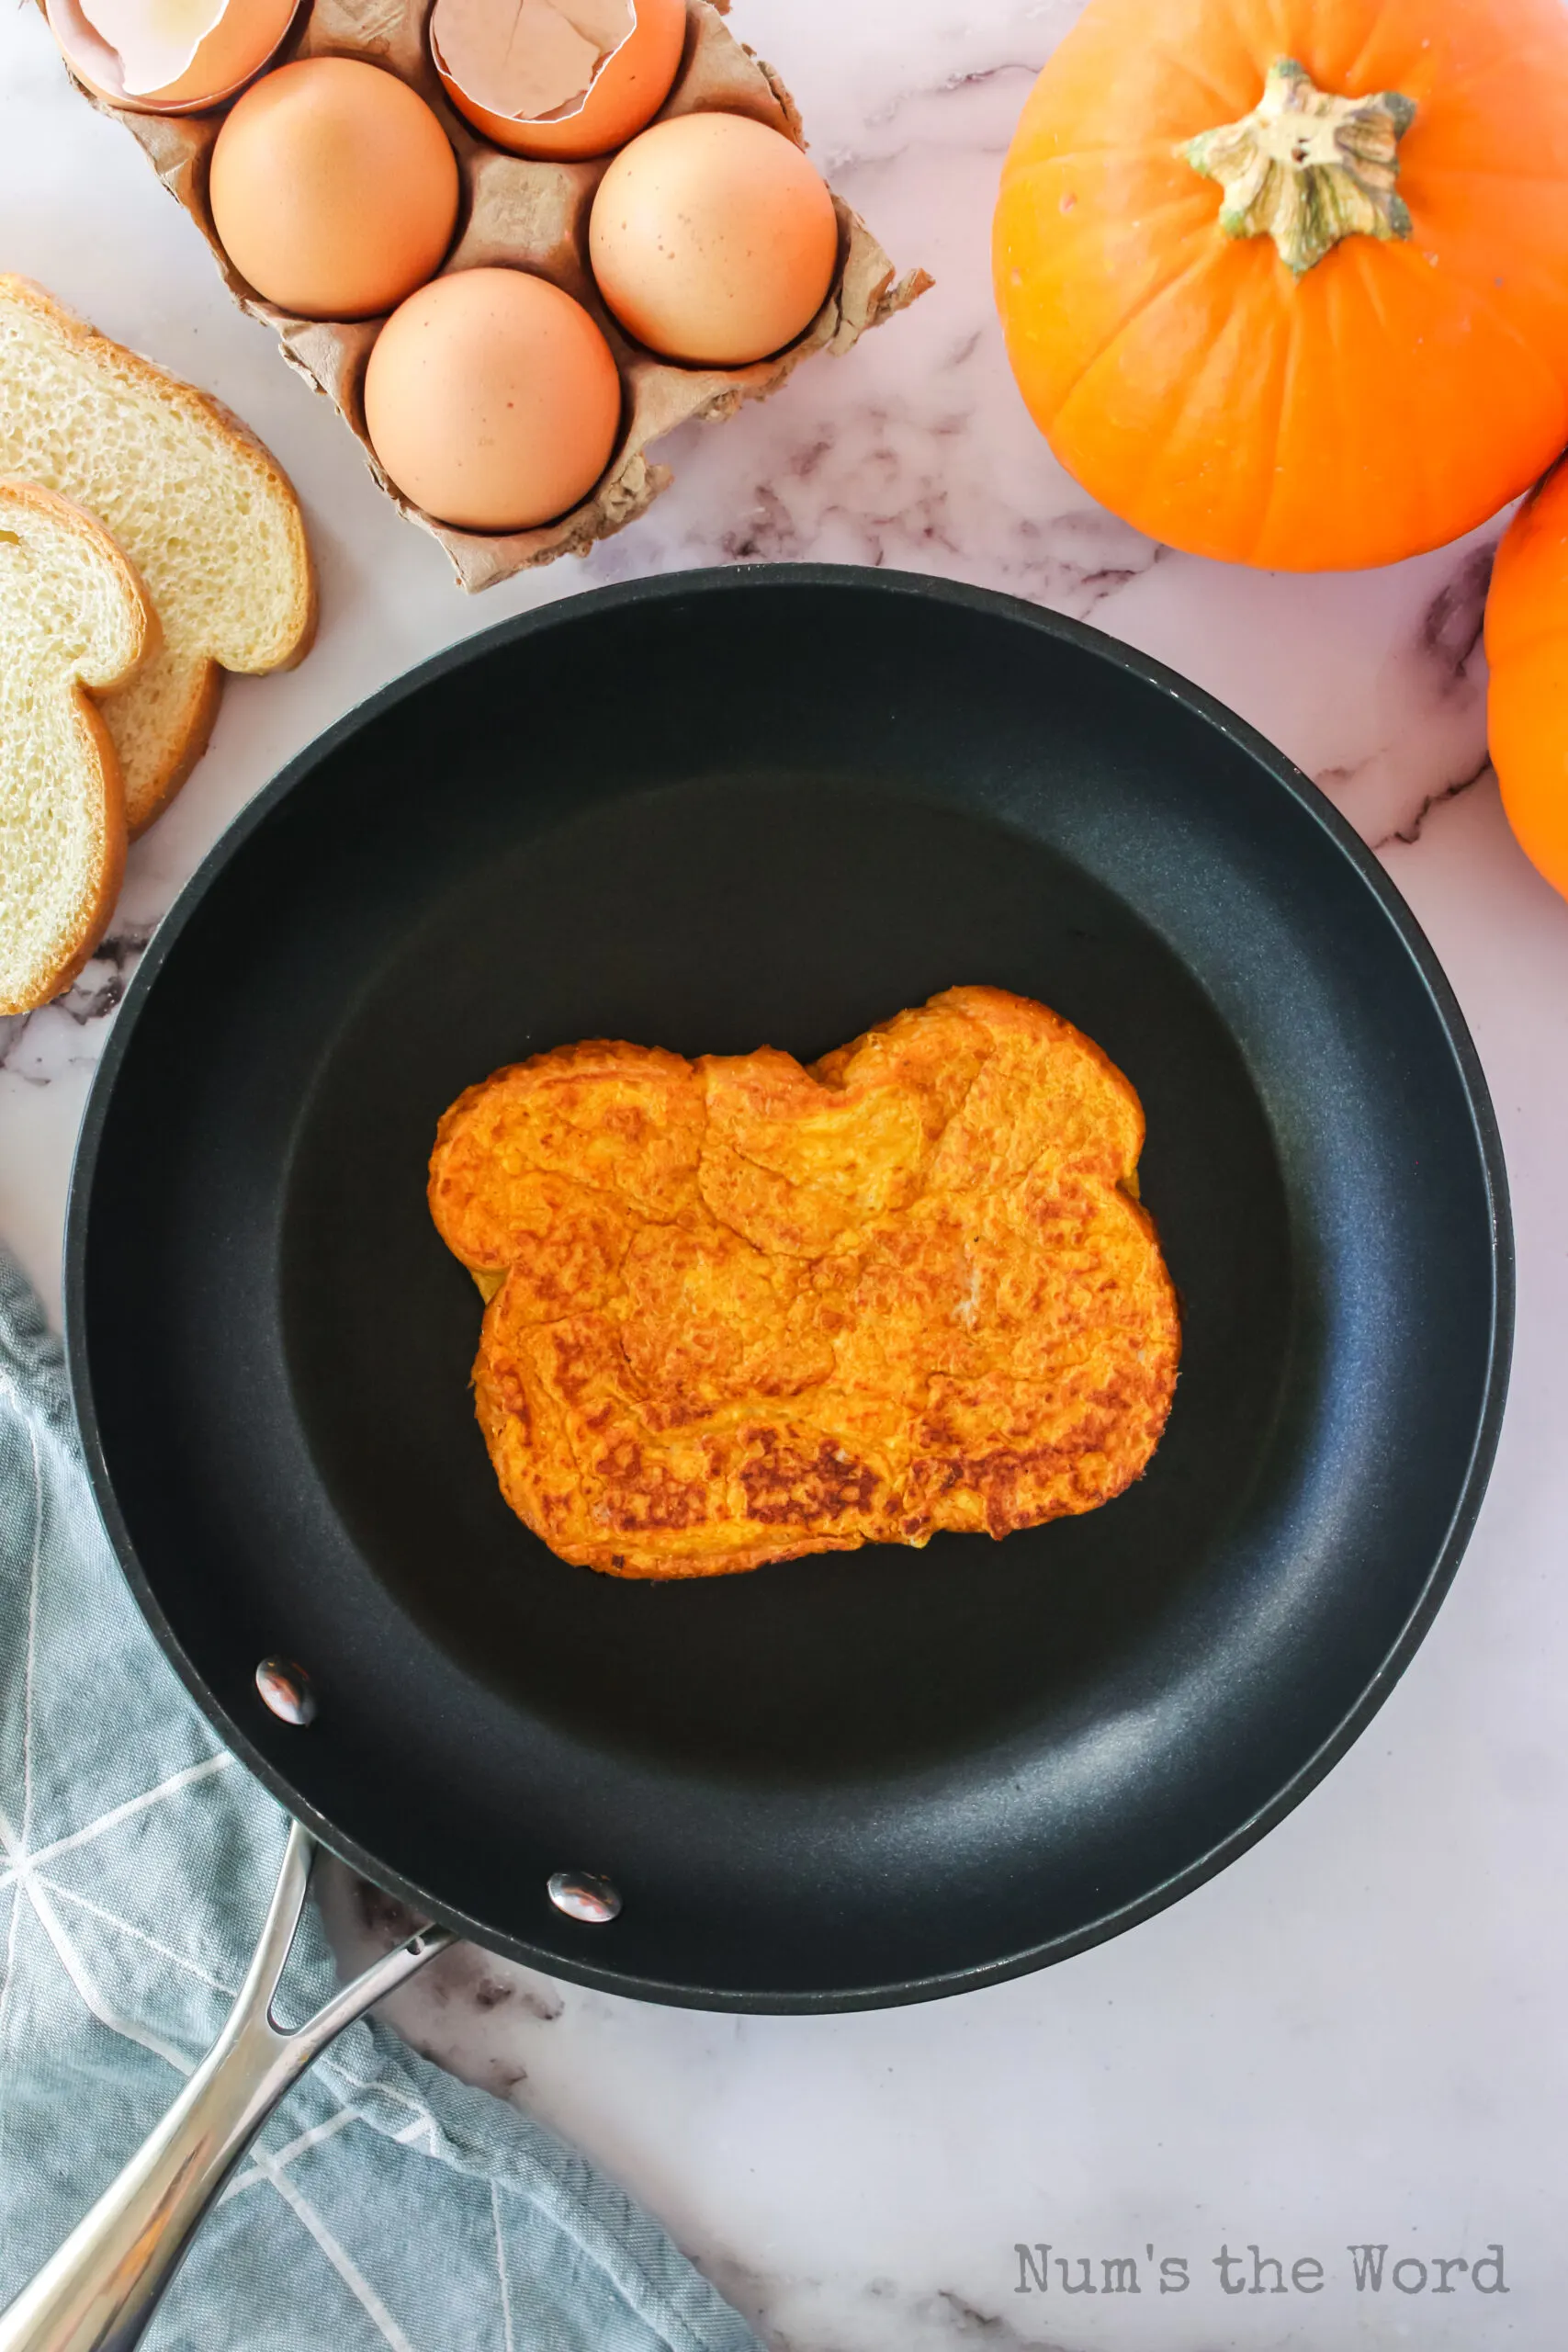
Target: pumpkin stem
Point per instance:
(1307, 168)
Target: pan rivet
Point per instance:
(582, 1896)
(286, 1688)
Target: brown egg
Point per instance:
(629, 89)
(122, 51)
(492, 401)
(713, 239)
(333, 188)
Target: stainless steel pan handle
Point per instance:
(99, 2292)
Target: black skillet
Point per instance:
(706, 811)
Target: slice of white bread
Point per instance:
(73, 615)
(209, 519)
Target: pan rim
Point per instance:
(731, 581)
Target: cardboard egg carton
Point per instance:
(535, 216)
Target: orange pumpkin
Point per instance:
(1286, 281)
(1526, 704)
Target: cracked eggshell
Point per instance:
(534, 216)
(168, 56)
(557, 79)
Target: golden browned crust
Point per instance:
(147, 629)
(187, 741)
(91, 918)
(246, 447)
(190, 733)
(740, 1311)
(99, 760)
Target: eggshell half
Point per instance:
(713, 239)
(333, 188)
(492, 401)
(244, 37)
(626, 92)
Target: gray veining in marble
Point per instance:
(1355, 2035)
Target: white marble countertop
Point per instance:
(1354, 2035)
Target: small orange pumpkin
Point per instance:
(1526, 703)
(1286, 281)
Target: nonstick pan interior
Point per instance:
(708, 812)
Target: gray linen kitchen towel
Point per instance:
(386, 2203)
